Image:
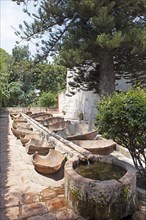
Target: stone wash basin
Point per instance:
(79, 130)
(50, 121)
(20, 120)
(28, 137)
(86, 136)
(41, 146)
(40, 117)
(100, 199)
(16, 125)
(21, 132)
(51, 163)
(59, 125)
(101, 147)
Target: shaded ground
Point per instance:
(24, 193)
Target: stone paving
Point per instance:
(24, 193)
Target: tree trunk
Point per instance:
(107, 76)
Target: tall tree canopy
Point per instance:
(51, 77)
(108, 35)
(5, 69)
(19, 79)
(21, 53)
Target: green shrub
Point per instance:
(0, 99)
(47, 99)
(122, 117)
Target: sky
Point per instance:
(11, 15)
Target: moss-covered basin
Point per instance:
(96, 199)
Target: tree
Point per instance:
(21, 79)
(0, 99)
(21, 53)
(15, 94)
(47, 99)
(122, 117)
(107, 35)
(5, 70)
(51, 77)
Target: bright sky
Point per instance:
(11, 15)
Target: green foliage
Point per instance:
(5, 69)
(81, 116)
(122, 117)
(91, 33)
(47, 99)
(14, 93)
(0, 99)
(51, 77)
(21, 53)
(19, 77)
(108, 41)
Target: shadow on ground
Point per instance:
(4, 162)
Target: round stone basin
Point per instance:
(112, 197)
(100, 171)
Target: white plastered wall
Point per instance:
(83, 101)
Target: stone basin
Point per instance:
(15, 115)
(86, 136)
(101, 146)
(33, 115)
(21, 132)
(96, 200)
(41, 117)
(28, 137)
(16, 125)
(80, 130)
(58, 125)
(41, 146)
(52, 120)
(20, 120)
(51, 163)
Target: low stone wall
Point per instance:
(32, 109)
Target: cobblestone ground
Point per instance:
(24, 193)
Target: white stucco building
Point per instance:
(82, 101)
